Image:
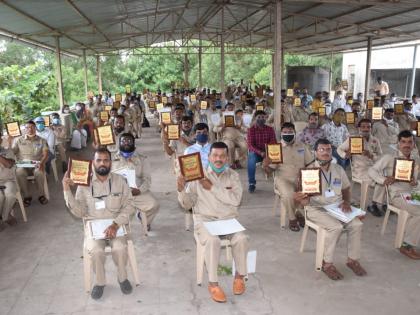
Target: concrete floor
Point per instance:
(41, 267)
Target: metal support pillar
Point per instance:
(368, 62)
(413, 72)
(277, 66)
(59, 77)
(200, 77)
(99, 74)
(186, 70)
(85, 72)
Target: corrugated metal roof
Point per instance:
(312, 27)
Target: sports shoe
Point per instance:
(251, 188)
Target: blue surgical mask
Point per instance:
(126, 155)
(202, 138)
(218, 170)
(40, 127)
(56, 121)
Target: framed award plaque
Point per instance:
(229, 120)
(80, 171)
(165, 118)
(350, 118)
(399, 109)
(370, 104)
(104, 116)
(118, 97)
(356, 145)
(164, 99)
(105, 135)
(47, 120)
(108, 108)
(260, 107)
(289, 93)
(173, 131)
(152, 105)
(297, 102)
(310, 181)
(377, 113)
(191, 167)
(203, 105)
(403, 169)
(321, 111)
(274, 153)
(193, 98)
(13, 129)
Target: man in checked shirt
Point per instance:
(258, 136)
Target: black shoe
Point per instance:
(126, 287)
(375, 210)
(64, 165)
(251, 188)
(97, 292)
(384, 208)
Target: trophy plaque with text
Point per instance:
(350, 118)
(229, 120)
(13, 129)
(80, 171)
(165, 118)
(310, 181)
(274, 153)
(105, 135)
(356, 145)
(191, 167)
(403, 169)
(173, 131)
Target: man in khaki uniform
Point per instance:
(60, 133)
(107, 197)
(233, 137)
(406, 120)
(295, 156)
(362, 162)
(7, 185)
(386, 131)
(31, 147)
(137, 118)
(119, 127)
(335, 189)
(127, 157)
(217, 197)
(382, 173)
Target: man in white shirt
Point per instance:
(339, 101)
(416, 106)
(382, 89)
(48, 135)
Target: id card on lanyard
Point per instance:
(328, 192)
(100, 203)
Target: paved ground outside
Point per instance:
(41, 269)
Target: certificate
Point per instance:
(350, 118)
(193, 98)
(274, 153)
(173, 131)
(164, 99)
(370, 104)
(165, 118)
(399, 109)
(289, 93)
(118, 97)
(377, 113)
(152, 105)
(403, 169)
(13, 129)
(321, 111)
(260, 107)
(104, 115)
(356, 145)
(203, 105)
(105, 135)
(191, 167)
(310, 181)
(80, 171)
(108, 107)
(297, 102)
(229, 120)
(215, 119)
(47, 121)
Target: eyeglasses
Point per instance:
(324, 150)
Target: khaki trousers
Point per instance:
(334, 229)
(22, 178)
(239, 243)
(379, 194)
(62, 152)
(412, 229)
(147, 204)
(7, 199)
(232, 145)
(96, 251)
(285, 190)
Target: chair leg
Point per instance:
(188, 219)
(22, 206)
(87, 269)
(200, 263)
(402, 222)
(133, 261)
(385, 222)
(320, 246)
(364, 187)
(283, 217)
(54, 168)
(304, 236)
(46, 190)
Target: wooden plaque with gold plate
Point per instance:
(80, 171)
(350, 118)
(356, 145)
(193, 98)
(104, 115)
(377, 113)
(403, 169)
(191, 167)
(117, 104)
(47, 121)
(310, 181)
(229, 120)
(152, 105)
(260, 107)
(108, 108)
(274, 152)
(105, 135)
(297, 102)
(289, 93)
(399, 109)
(159, 106)
(370, 104)
(13, 129)
(203, 105)
(173, 131)
(165, 118)
(418, 128)
(118, 97)
(321, 111)
(164, 99)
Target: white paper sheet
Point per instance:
(247, 119)
(129, 174)
(100, 225)
(25, 165)
(251, 263)
(335, 210)
(215, 119)
(409, 200)
(223, 227)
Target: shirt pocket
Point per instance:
(113, 202)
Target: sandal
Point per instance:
(301, 219)
(43, 200)
(332, 272)
(293, 225)
(11, 220)
(355, 266)
(27, 201)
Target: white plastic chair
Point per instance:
(54, 168)
(46, 190)
(364, 187)
(282, 210)
(21, 205)
(403, 216)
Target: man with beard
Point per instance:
(335, 189)
(107, 197)
(119, 127)
(217, 197)
(128, 158)
(386, 131)
(312, 132)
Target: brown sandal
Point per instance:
(43, 200)
(355, 266)
(301, 219)
(332, 272)
(27, 201)
(293, 225)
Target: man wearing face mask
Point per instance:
(407, 120)
(361, 163)
(295, 156)
(335, 189)
(34, 148)
(258, 136)
(127, 157)
(217, 197)
(60, 136)
(201, 145)
(386, 131)
(47, 134)
(107, 197)
(312, 132)
(390, 103)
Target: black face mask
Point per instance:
(119, 129)
(127, 148)
(288, 138)
(102, 170)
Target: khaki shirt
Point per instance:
(60, 133)
(339, 181)
(385, 166)
(386, 135)
(361, 163)
(300, 114)
(138, 163)
(404, 120)
(26, 148)
(7, 174)
(219, 203)
(231, 133)
(89, 199)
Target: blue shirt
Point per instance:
(203, 150)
